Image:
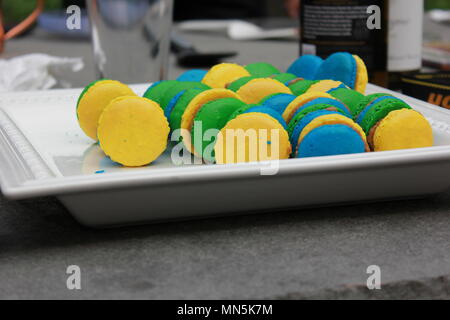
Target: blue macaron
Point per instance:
(278, 101)
(306, 67)
(192, 75)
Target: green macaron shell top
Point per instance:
(177, 88)
(241, 110)
(364, 102)
(379, 111)
(180, 107)
(261, 69)
(301, 86)
(268, 97)
(284, 77)
(237, 84)
(304, 112)
(212, 115)
(86, 89)
(349, 97)
(157, 92)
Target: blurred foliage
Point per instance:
(437, 4)
(16, 10)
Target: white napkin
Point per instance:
(36, 72)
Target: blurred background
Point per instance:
(268, 32)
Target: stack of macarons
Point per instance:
(131, 130)
(315, 109)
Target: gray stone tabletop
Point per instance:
(309, 253)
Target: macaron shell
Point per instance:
(278, 101)
(213, 115)
(260, 147)
(331, 140)
(362, 77)
(403, 129)
(156, 91)
(284, 78)
(324, 85)
(133, 131)
(257, 89)
(261, 69)
(349, 97)
(269, 111)
(238, 83)
(171, 92)
(180, 106)
(306, 66)
(380, 110)
(332, 119)
(222, 74)
(340, 66)
(94, 100)
(301, 100)
(187, 120)
(192, 75)
(300, 86)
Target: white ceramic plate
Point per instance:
(44, 153)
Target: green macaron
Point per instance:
(300, 86)
(213, 115)
(349, 97)
(171, 92)
(237, 84)
(261, 69)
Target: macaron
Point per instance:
(208, 121)
(257, 89)
(306, 67)
(192, 75)
(93, 100)
(278, 101)
(391, 124)
(261, 69)
(298, 102)
(133, 131)
(238, 83)
(191, 110)
(222, 74)
(401, 129)
(320, 104)
(178, 87)
(297, 125)
(380, 106)
(250, 137)
(326, 85)
(328, 134)
(299, 86)
(180, 106)
(284, 78)
(344, 67)
(156, 91)
(350, 97)
(269, 111)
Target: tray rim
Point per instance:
(21, 187)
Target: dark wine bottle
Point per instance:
(356, 26)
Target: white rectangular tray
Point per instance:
(44, 153)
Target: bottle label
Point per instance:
(405, 35)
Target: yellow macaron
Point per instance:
(223, 74)
(257, 89)
(401, 129)
(252, 137)
(133, 131)
(94, 98)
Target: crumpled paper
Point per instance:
(36, 72)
